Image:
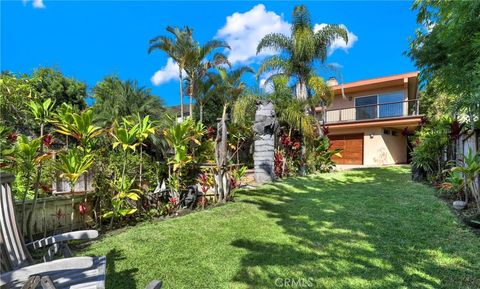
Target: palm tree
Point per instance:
(115, 99)
(177, 48)
(300, 51)
(196, 65)
(205, 89)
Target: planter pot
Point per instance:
(459, 205)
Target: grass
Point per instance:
(370, 228)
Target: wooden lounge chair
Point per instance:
(18, 269)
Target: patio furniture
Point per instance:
(18, 269)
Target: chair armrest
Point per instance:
(76, 235)
(154, 285)
(43, 268)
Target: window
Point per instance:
(390, 104)
(366, 107)
(379, 106)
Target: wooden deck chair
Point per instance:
(18, 269)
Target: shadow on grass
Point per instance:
(115, 278)
(367, 228)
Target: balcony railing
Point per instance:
(374, 111)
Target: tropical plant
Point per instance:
(196, 65)
(470, 171)
(125, 136)
(322, 155)
(79, 126)
(72, 164)
(41, 112)
(116, 99)
(177, 48)
(448, 33)
(300, 50)
(454, 183)
(26, 158)
(145, 129)
(124, 193)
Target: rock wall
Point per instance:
(264, 153)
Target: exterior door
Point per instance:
(352, 146)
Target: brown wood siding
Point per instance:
(352, 146)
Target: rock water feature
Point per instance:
(264, 129)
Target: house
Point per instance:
(368, 119)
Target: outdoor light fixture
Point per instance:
(350, 98)
(371, 135)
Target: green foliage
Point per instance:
(320, 158)
(16, 91)
(470, 171)
(446, 48)
(79, 126)
(124, 193)
(429, 145)
(453, 183)
(73, 163)
(125, 136)
(116, 99)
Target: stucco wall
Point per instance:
(379, 148)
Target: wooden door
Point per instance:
(352, 146)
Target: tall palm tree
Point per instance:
(177, 48)
(115, 99)
(197, 66)
(300, 51)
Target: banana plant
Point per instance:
(124, 193)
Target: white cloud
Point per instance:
(35, 3)
(166, 73)
(339, 43)
(243, 32)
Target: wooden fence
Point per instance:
(55, 214)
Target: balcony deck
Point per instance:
(368, 113)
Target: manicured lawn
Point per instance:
(370, 228)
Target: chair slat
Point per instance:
(17, 253)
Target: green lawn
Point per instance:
(370, 228)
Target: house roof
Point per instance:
(378, 82)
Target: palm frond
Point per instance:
(275, 41)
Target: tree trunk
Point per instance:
(141, 163)
(221, 155)
(35, 190)
(191, 99)
(201, 112)
(181, 91)
(301, 89)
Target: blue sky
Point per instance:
(92, 39)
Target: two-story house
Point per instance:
(368, 120)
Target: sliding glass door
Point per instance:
(379, 106)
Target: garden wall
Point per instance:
(53, 215)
